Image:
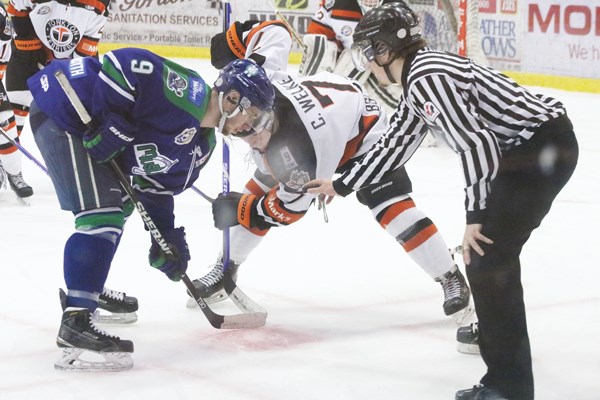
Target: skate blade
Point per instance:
(463, 317)
(71, 360)
(114, 318)
(215, 298)
(24, 201)
(465, 348)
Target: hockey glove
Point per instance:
(232, 209)
(109, 139)
(175, 265)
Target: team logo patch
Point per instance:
(175, 82)
(431, 111)
(185, 137)
(150, 161)
(43, 10)
(346, 30)
(196, 93)
(288, 159)
(298, 179)
(62, 35)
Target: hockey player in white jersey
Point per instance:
(321, 125)
(10, 158)
(48, 30)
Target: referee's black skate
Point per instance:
(79, 335)
(114, 307)
(456, 295)
(210, 285)
(467, 339)
(479, 392)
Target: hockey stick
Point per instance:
(24, 151)
(283, 19)
(218, 321)
(239, 298)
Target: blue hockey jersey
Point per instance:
(164, 102)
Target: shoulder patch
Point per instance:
(431, 111)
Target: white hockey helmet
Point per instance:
(366, 5)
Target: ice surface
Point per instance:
(351, 317)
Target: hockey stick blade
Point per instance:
(240, 299)
(249, 320)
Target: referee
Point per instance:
(517, 151)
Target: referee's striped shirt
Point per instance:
(479, 112)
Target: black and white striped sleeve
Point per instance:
(390, 152)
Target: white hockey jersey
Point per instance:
(324, 123)
(67, 29)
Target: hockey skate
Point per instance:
(467, 338)
(456, 296)
(114, 307)
(19, 186)
(78, 336)
(479, 392)
(210, 285)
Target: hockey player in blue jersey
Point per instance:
(157, 119)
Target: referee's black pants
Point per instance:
(529, 178)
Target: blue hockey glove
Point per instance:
(109, 138)
(174, 266)
(232, 209)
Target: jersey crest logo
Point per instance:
(176, 83)
(431, 111)
(150, 161)
(346, 30)
(185, 137)
(43, 10)
(288, 159)
(298, 179)
(62, 35)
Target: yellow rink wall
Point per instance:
(529, 79)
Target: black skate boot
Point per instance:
(456, 295)
(479, 392)
(19, 186)
(211, 285)
(120, 308)
(467, 338)
(78, 334)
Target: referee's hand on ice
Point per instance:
(320, 186)
(472, 235)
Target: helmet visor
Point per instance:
(362, 54)
(258, 121)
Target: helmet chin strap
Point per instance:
(386, 68)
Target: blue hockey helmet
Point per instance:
(250, 80)
(253, 88)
